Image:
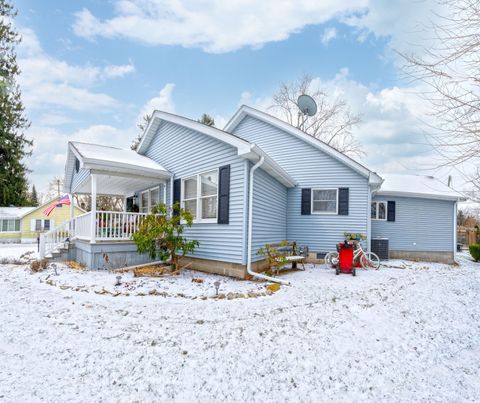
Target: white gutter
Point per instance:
(250, 229)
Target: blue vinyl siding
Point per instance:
(185, 152)
(311, 168)
(269, 212)
(79, 177)
(420, 225)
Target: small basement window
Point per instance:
(379, 210)
(325, 201)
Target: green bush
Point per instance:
(475, 251)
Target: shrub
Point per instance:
(161, 234)
(38, 265)
(475, 251)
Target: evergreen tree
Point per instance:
(14, 145)
(34, 197)
(206, 119)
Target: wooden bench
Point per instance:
(287, 253)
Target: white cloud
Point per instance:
(328, 35)
(392, 118)
(47, 81)
(50, 147)
(162, 102)
(215, 26)
(404, 22)
(114, 71)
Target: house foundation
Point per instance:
(423, 256)
(115, 255)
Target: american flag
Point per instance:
(63, 200)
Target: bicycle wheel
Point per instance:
(331, 258)
(370, 260)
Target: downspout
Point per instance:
(250, 229)
(171, 191)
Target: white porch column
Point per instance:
(93, 211)
(125, 204)
(72, 207)
(72, 213)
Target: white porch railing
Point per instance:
(109, 226)
(116, 225)
(81, 226)
(54, 239)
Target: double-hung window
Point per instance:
(379, 210)
(200, 196)
(9, 225)
(325, 201)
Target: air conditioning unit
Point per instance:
(380, 247)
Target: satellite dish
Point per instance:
(307, 105)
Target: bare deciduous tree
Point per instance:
(142, 126)
(333, 123)
(451, 70)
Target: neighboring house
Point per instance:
(24, 224)
(301, 189)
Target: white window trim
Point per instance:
(386, 211)
(149, 198)
(10, 232)
(199, 197)
(323, 212)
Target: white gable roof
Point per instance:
(15, 212)
(417, 186)
(245, 110)
(245, 149)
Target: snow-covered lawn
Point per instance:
(410, 334)
(13, 251)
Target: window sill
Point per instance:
(205, 221)
(323, 213)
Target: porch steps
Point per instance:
(60, 253)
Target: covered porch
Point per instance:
(106, 171)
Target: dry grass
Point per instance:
(75, 265)
(38, 265)
(153, 271)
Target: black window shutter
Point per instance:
(223, 194)
(343, 196)
(177, 189)
(306, 201)
(391, 211)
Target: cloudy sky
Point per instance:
(91, 69)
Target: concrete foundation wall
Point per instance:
(440, 257)
(103, 255)
(223, 268)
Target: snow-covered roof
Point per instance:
(106, 155)
(417, 186)
(113, 161)
(15, 212)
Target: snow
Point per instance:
(14, 251)
(96, 152)
(417, 185)
(408, 332)
(15, 212)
